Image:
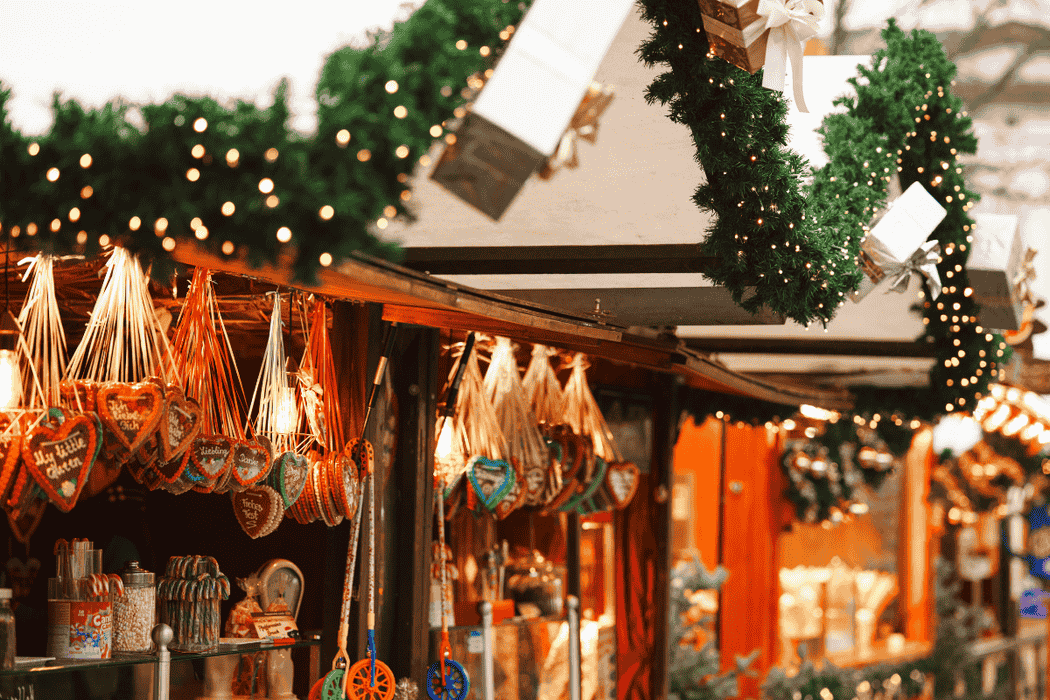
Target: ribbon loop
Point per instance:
(923, 262)
(791, 23)
(584, 125)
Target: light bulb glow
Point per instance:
(285, 412)
(444, 446)
(10, 380)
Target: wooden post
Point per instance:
(415, 377)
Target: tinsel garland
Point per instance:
(234, 178)
(792, 247)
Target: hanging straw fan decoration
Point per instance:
(546, 400)
(280, 415)
(608, 481)
(330, 492)
(25, 490)
(476, 448)
(213, 381)
(526, 448)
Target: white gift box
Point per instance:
(996, 259)
(897, 235)
(526, 106)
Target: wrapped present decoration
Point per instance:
(753, 34)
(521, 115)
(896, 244)
(1000, 271)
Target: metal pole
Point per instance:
(162, 636)
(489, 663)
(575, 691)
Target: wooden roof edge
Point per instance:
(704, 373)
(362, 278)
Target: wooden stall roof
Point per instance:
(416, 298)
(412, 297)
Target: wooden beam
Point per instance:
(560, 259)
(815, 346)
(650, 306)
(366, 279)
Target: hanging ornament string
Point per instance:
(582, 414)
(277, 412)
(123, 341)
(525, 443)
(542, 389)
(44, 335)
(318, 384)
(204, 351)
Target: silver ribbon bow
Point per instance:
(791, 23)
(923, 262)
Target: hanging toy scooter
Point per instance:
(368, 678)
(446, 678)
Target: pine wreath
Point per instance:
(791, 246)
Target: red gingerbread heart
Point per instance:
(258, 510)
(131, 412)
(211, 454)
(59, 458)
(251, 462)
(180, 424)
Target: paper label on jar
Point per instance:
(79, 630)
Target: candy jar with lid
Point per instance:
(134, 613)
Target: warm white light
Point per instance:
(1015, 424)
(816, 413)
(788, 424)
(444, 446)
(10, 381)
(285, 413)
(992, 422)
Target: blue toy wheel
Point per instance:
(456, 684)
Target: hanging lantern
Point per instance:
(10, 372)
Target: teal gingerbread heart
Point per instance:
(491, 480)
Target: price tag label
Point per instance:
(475, 643)
(273, 625)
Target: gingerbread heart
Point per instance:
(171, 470)
(180, 425)
(288, 476)
(60, 458)
(258, 510)
(131, 412)
(211, 455)
(490, 480)
(515, 495)
(251, 462)
(10, 451)
(79, 395)
(621, 481)
(589, 489)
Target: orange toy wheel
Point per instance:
(359, 683)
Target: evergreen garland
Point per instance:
(792, 247)
(95, 175)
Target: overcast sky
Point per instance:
(97, 50)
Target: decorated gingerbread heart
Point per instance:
(621, 481)
(180, 425)
(490, 480)
(25, 519)
(59, 458)
(258, 510)
(251, 462)
(131, 412)
(288, 476)
(211, 455)
(515, 497)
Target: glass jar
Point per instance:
(134, 613)
(7, 630)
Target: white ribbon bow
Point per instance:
(791, 23)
